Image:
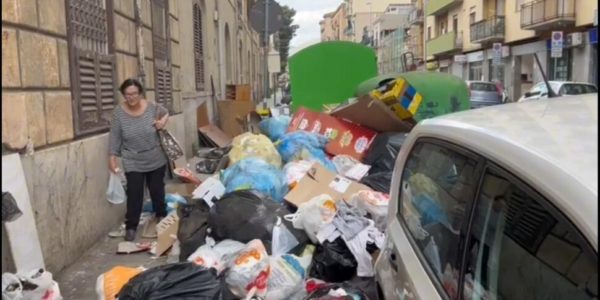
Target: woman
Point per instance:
(134, 139)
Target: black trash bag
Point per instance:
(173, 281)
(353, 292)
(333, 262)
(10, 209)
(247, 215)
(383, 152)
(380, 182)
(193, 222)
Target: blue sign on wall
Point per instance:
(593, 35)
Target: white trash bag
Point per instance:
(115, 193)
(283, 240)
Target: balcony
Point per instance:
(488, 31)
(547, 14)
(438, 7)
(448, 42)
(415, 17)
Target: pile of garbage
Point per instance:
(298, 213)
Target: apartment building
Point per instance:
(460, 35)
(414, 38)
(62, 64)
(389, 38)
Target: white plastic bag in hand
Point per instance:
(115, 193)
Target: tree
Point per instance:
(285, 34)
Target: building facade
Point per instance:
(460, 35)
(63, 62)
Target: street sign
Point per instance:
(497, 54)
(460, 58)
(556, 47)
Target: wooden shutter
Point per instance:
(198, 48)
(92, 64)
(162, 60)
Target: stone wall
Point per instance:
(67, 175)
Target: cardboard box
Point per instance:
(345, 137)
(319, 181)
(238, 92)
(233, 116)
(183, 189)
(373, 114)
(166, 229)
(215, 136)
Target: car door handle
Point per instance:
(393, 261)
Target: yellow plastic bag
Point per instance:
(254, 145)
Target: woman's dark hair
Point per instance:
(129, 82)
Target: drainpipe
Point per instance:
(140, 42)
(425, 33)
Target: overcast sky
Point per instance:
(308, 15)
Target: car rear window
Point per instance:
(483, 87)
(577, 89)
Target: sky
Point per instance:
(308, 15)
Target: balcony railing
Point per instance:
(488, 30)
(445, 43)
(544, 14)
(415, 17)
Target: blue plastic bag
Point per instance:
(275, 127)
(172, 201)
(304, 145)
(255, 174)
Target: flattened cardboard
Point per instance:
(372, 114)
(202, 115)
(233, 116)
(216, 135)
(166, 229)
(319, 181)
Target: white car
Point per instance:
(496, 203)
(560, 88)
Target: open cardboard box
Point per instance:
(319, 181)
(373, 114)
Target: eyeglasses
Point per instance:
(131, 94)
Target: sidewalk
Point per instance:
(78, 281)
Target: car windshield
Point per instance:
(577, 89)
(483, 87)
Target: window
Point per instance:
(472, 17)
(92, 62)
(577, 89)
(162, 61)
(476, 70)
(520, 249)
(198, 48)
(437, 191)
(560, 68)
(428, 33)
(483, 87)
(540, 89)
(455, 23)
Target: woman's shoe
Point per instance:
(130, 235)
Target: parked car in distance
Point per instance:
(484, 93)
(560, 88)
(496, 203)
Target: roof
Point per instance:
(552, 144)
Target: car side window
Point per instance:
(519, 249)
(437, 189)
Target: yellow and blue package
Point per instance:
(255, 174)
(275, 127)
(304, 145)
